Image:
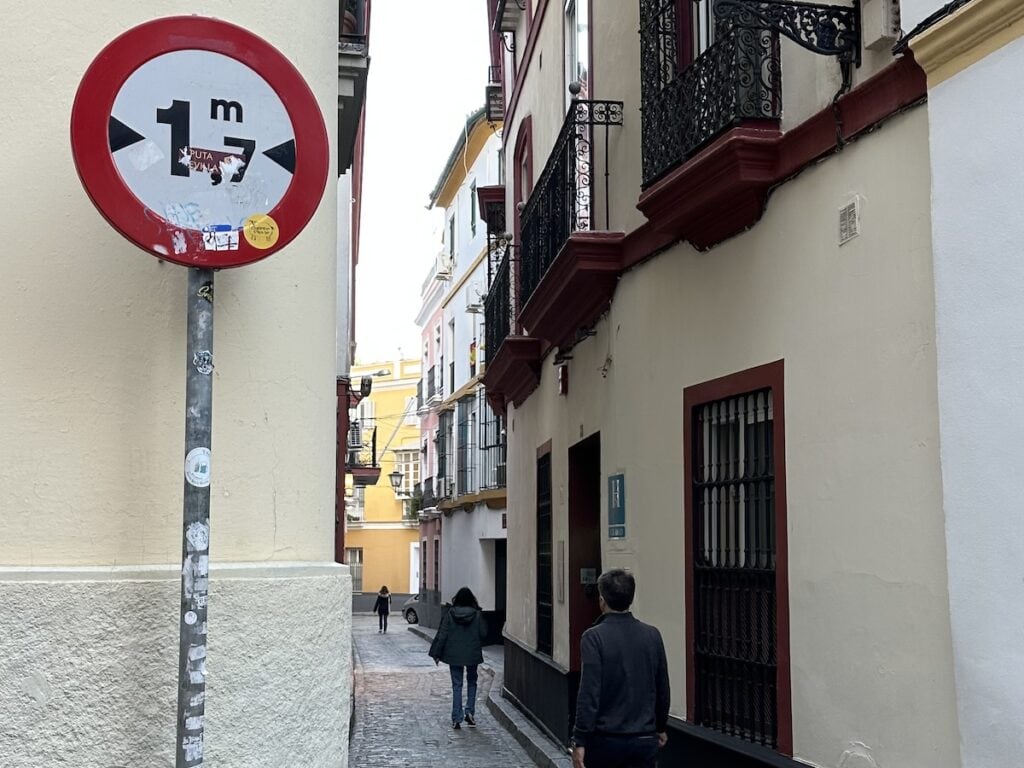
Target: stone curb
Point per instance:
(542, 750)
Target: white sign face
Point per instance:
(204, 142)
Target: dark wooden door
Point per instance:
(584, 541)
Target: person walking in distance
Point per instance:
(622, 706)
(459, 644)
(382, 608)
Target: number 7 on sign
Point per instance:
(186, 158)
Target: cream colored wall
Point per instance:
(93, 348)
(870, 639)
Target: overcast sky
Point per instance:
(428, 69)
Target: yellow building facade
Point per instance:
(382, 533)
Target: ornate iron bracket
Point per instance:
(510, 47)
(831, 30)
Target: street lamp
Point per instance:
(396, 480)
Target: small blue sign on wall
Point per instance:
(616, 506)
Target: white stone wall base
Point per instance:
(88, 666)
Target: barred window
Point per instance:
(354, 561)
(466, 446)
(733, 539)
(545, 573)
(492, 445)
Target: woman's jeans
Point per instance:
(383, 622)
(457, 711)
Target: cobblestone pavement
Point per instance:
(403, 708)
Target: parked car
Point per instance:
(409, 609)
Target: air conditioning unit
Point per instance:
(475, 296)
(443, 267)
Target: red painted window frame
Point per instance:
(768, 375)
(523, 151)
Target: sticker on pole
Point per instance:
(197, 467)
(199, 142)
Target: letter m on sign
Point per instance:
(220, 109)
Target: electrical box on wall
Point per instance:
(880, 23)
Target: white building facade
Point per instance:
(465, 437)
(973, 54)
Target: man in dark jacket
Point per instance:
(622, 707)
(459, 644)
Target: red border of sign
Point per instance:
(94, 161)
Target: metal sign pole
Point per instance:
(195, 548)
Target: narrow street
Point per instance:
(403, 708)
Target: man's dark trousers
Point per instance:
(607, 751)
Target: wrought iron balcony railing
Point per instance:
(429, 499)
(737, 78)
(499, 307)
(564, 199)
(431, 386)
(737, 73)
(360, 453)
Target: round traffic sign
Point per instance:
(199, 142)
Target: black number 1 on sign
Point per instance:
(176, 116)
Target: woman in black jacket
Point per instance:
(382, 608)
(459, 644)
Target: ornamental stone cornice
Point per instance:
(966, 37)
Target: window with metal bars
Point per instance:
(423, 565)
(437, 564)
(465, 447)
(492, 445)
(545, 575)
(733, 538)
(354, 561)
(444, 455)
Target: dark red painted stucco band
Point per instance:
(95, 162)
(768, 375)
(724, 189)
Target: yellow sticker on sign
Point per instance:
(261, 231)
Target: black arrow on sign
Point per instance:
(120, 135)
(283, 155)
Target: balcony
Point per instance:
(569, 260)
(507, 14)
(494, 98)
(361, 460)
(710, 134)
(513, 360)
(433, 395)
(429, 499)
(353, 61)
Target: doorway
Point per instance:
(584, 541)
